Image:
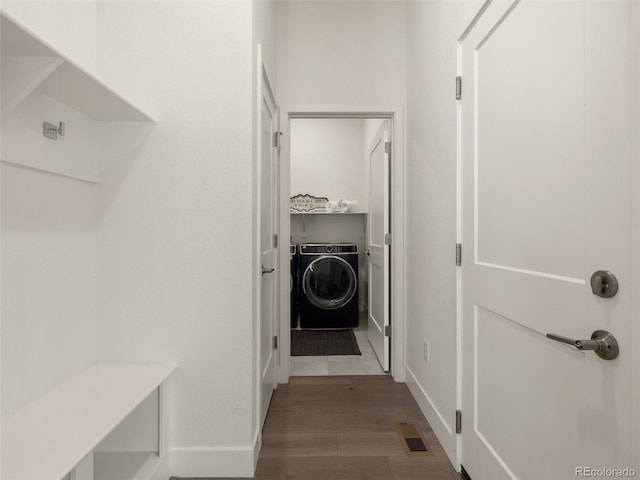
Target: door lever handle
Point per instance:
(267, 270)
(602, 343)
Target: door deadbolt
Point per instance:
(604, 284)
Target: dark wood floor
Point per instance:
(344, 428)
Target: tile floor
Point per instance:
(365, 364)
(343, 428)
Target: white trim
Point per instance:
(635, 231)
(163, 469)
(164, 429)
(396, 114)
(255, 254)
(457, 458)
(215, 461)
(262, 88)
(437, 422)
(257, 446)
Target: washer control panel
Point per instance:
(327, 248)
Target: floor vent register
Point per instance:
(412, 440)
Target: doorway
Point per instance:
(320, 219)
(339, 171)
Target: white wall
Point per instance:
(326, 159)
(67, 25)
(264, 33)
(350, 52)
(175, 223)
(346, 52)
(48, 282)
(432, 31)
(48, 240)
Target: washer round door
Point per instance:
(329, 282)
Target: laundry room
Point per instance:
(333, 197)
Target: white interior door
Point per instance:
(545, 152)
(377, 247)
(268, 156)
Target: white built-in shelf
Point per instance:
(29, 64)
(328, 213)
(124, 465)
(39, 84)
(46, 439)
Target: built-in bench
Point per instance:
(102, 424)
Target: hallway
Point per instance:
(344, 428)
(154, 178)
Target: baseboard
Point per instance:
(444, 432)
(464, 473)
(216, 461)
(257, 445)
(162, 471)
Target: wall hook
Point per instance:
(51, 131)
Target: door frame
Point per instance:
(457, 454)
(635, 218)
(395, 114)
(261, 77)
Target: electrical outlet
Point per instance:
(426, 351)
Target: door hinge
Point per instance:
(458, 254)
(458, 88)
(387, 330)
(387, 147)
(275, 342)
(387, 239)
(458, 421)
(275, 240)
(276, 139)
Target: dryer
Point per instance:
(293, 284)
(329, 285)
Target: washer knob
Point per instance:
(329, 248)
